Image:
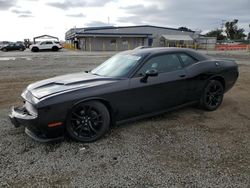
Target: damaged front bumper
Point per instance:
(20, 116)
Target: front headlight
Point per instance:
(27, 96)
(30, 108)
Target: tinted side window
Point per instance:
(187, 60)
(162, 63)
(48, 42)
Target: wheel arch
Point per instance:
(35, 48)
(103, 101)
(220, 79)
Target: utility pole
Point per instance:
(222, 25)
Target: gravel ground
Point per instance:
(185, 148)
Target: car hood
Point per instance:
(3, 45)
(66, 83)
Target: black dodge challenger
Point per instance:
(130, 85)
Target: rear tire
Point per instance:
(212, 96)
(4, 49)
(88, 121)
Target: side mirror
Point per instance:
(149, 73)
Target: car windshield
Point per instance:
(117, 66)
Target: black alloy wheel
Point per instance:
(4, 49)
(88, 121)
(55, 48)
(213, 95)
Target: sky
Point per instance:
(20, 19)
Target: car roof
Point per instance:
(46, 41)
(160, 50)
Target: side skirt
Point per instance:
(155, 113)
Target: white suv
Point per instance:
(46, 45)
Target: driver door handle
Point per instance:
(182, 75)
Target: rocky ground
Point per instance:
(185, 148)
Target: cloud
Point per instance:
(25, 16)
(67, 4)
(148, 13)
(80, 15)
(6, 4)
(192, 14)
(97, 24)
(49, 27)
(133, 19)
(21, 11)
(98, 3)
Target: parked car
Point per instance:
(3, 43)
(46, 45)
(128, 86)
(20, 42)
(13, 46)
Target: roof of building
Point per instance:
(177, 37)
(122, 27)
(45, 37)
(112, 30)
(98, 28)
(115, 34)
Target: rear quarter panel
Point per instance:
(230, 73)
(201, 72)
(198, 74)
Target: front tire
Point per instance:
(88, 121)
(35, 49)
(55, 48)
(212, 96)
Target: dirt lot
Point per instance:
(184, 148)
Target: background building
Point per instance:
(44, 38)
(208, 43)
(123, 38)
